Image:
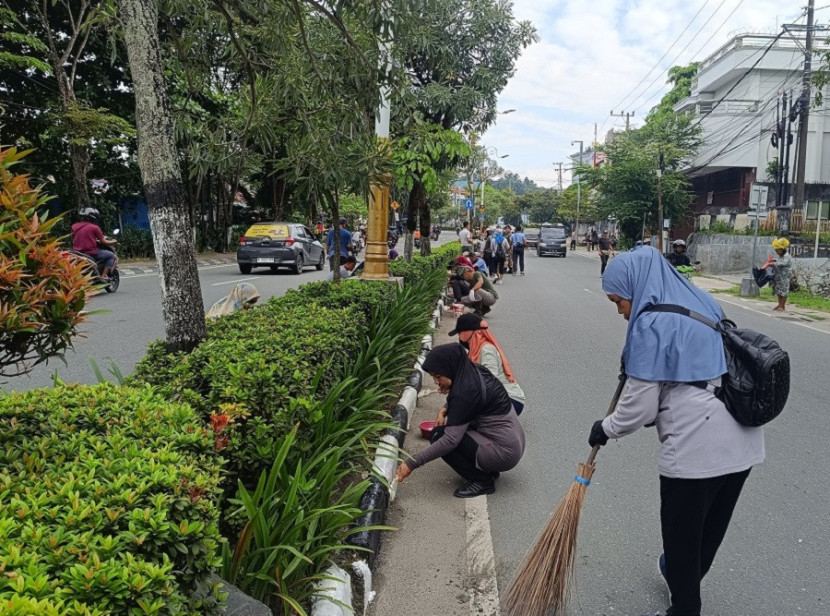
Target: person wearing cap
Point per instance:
(345, 243)
(783, 268)
(473, 289)
(477, 431)
(479, 264)
(474, 335)
(346, 269)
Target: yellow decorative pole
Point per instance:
(376, 266)
(377, 259)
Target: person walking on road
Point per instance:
(477, 432)
(519, 243)
(466, 238)
(605, 251)
(474, 335)
(345, 243)
(673, 364)
(500, 248)
(783, 268)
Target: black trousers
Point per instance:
(460, 288)
(694, 515)
(462, 459)
(518, 259)
(604, 261)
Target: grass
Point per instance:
(802, 299)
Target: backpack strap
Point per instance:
(684, 311)
(675, 309)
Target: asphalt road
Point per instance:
(130, 319)
(564, 339)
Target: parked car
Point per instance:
(531, 237)
(279, 244)
(552, 241)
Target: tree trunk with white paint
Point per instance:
(181, 297)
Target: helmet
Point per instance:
(679, 243)
(90, 213)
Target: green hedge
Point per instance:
(439, 259)
(256, 368)
(107, 504)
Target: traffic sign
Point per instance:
(481, 208)
(468, 204)
(394, 205)
(481, 217)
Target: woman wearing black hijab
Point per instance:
(477, 431)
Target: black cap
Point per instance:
(468, 323)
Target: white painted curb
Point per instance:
(385, 465)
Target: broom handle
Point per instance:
(611, 407)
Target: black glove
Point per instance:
(598, 436)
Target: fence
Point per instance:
(798, 223)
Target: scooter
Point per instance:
(93, 271)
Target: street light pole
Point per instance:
(578, 195)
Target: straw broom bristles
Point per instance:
(543, 583)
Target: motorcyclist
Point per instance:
(679, 256)
(88, 238)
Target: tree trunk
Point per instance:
(426, 228)
(417, 197)
(78, 152)
(183, 311)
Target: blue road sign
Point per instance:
(481, 217)
(468, 204)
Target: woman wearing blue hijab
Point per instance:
(673, 364)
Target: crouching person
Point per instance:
(473, 289)
(477, 431)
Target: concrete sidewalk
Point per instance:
(439, 562)
(720, 285)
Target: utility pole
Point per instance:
(660, 199)
(782, 139)
(625, 115)
(804, 111)
(578, 195)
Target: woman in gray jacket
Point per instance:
(673, 364)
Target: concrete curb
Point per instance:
(335, 599)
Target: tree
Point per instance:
(540, 205)
(42, 293)
(181, 298)
(456, 55)
(627, 188)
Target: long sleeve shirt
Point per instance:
(491, 360)
(698, 437)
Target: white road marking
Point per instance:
(216, 284)
(588, 291)
(761, 312)
(204, 267)
(481, 562)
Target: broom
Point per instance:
(542, 584)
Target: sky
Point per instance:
(595, 57)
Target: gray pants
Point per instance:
(485, 298)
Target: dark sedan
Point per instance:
(279, 244)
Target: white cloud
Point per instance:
(592, 54)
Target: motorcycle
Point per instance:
(90, 266)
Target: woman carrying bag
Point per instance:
(474, 335)
(673, 364)
(477, 432)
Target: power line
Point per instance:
(685, 47)
(656, 64)
(697, 53)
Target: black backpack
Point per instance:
(757, 380)
(499, 249)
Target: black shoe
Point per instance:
(495, 475)
(475, 488)
(485, 310)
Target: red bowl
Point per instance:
(426, 428)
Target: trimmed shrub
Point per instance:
(252, 376)
(438, 260)
(107, 504)
(42, 293)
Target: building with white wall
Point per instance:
(735, 94)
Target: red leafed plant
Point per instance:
(42, 293)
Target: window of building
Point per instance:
(813, 210)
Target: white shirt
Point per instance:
(465, 236)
